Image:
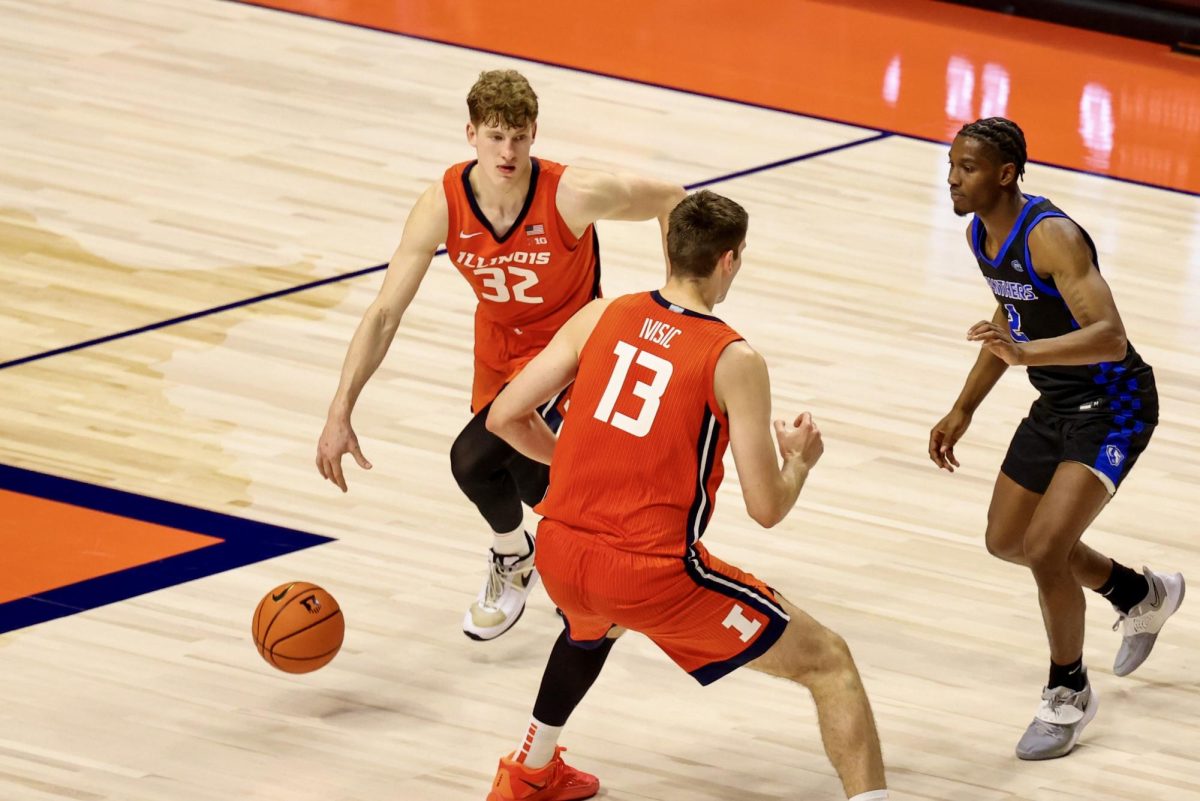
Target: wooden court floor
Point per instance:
(168, 160)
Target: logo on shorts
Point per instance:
(1016, 265)
(1114, 454)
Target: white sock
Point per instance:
(539, 745)
(510, 543)
(872, 795)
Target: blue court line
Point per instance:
(694, 93)
(243, 542)
(279, 293)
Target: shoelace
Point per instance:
(1044, 726)
(1120, 619)
(499, 576)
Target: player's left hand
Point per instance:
(996, 339)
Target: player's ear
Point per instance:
(725, 263)
(471, 133)
(1008, 174)
(533, 133)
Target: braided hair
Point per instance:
(1003, 135)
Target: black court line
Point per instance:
(279, 293)
(692, 92)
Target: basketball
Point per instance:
(298, 627)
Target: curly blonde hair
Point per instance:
(502, 98)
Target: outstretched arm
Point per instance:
(423, 232)
(585, 196)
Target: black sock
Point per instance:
(1072, 676)
(1125, 588)
(570, 671)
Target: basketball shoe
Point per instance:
(1145, 621)
(1058, 723)
(554, 781)
(501, 601)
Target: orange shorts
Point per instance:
(708, 616)
(500, 353)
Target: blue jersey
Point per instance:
(1036, 310)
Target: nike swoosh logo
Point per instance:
(277, 597)
(463, 235)
(528, 783)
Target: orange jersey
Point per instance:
(528, 282)
(638, 460)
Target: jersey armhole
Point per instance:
(714, 405)
(570, 241)
(451, 183)
(1043, 285)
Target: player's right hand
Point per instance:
(337, 439)
(800, 440)
(944, 435)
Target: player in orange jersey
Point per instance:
(520, 230)
(660, 388)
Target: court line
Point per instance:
(183, 318)
(692, 92)
(241, 542)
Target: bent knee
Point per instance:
(1004, 545)
(1043, 552)
(825, 655)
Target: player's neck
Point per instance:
(691, 295)
(505, 196)
(1000, 218)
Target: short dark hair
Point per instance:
(1005, 136)
(702, 228)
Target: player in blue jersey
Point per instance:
(1096, 410)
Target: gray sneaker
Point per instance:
(1059, 721)
(1145, 620)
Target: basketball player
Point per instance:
(660, 388)
(520, 230)
(1095, 413)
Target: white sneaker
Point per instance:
(1145, 621)
(501, 601)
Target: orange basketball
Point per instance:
(298, 627)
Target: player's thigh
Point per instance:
(1072, 501)
(707, 616)
(806, 648)
(1011, 509)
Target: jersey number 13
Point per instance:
(650, 393)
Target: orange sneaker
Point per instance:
(555, 781)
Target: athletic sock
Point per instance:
(1072, 676)
(1125, 587)
(872, 795)
(512, 543)
(538, 748)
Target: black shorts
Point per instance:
(1107, 442)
